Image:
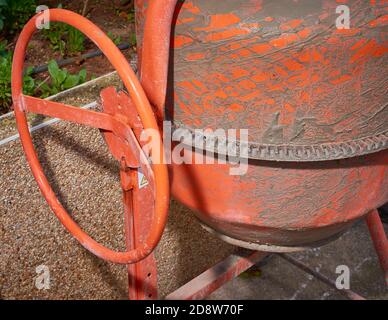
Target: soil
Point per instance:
(110, 16)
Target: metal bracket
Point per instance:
(138, 198)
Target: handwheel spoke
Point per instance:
(62, 111)
(99, 120)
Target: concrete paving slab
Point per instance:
(277, 279)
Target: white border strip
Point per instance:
(43, 125)
(60, 94)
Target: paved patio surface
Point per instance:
(278, 279)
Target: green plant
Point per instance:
(54, 35)
(3, 48)
(3, 5)
(61, 80)
(75, 40)
(5, 81)
(131, 16)
(116, 39)
(14, 14)
(132, 39)
(64, 38)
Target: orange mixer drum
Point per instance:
(312, 96)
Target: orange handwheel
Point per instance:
(100, 120)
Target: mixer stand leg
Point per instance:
(142, 276)
(379, 239)
(213, 278)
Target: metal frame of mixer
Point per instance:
(213, 278)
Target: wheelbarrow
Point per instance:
(311, 96)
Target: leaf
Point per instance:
(62, 46)
(75, 40)
(82, 76)
(53, 68)
(132, 39)
(28, 71)
(45, 89)
(71, 81)
(58, 76)
(28, 85)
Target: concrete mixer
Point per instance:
(308, 91)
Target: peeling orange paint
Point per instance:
(250, 96)
(239, 72)
(276, 87)
(227, 34)
(316, 56)
(289, 107)
(304, 96)
(261, 76)
(261, 48)
(280, 71)
(304, 33)
(342, 79)
(244, 53)
(368, 50)
(219, 21)
(184, 20)
(253, 25)
(180, 41)
(292, 24)
(348, 32)
(190, 7)
(231, 46)
(220, 94)
(380, 21)
(284, 40)
(200, 85)
(247, 84)
(358, 44)
(293, 65)
(195, 56)
(236, 107)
